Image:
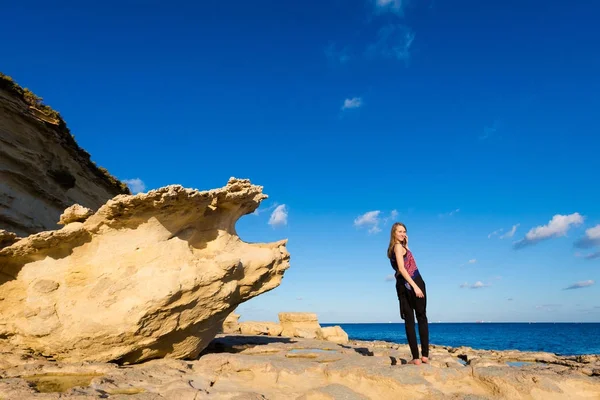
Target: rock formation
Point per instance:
(147, 276)
(42, 169)
(291, 324)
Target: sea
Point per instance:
(559, 338)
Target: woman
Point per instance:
(411, 292)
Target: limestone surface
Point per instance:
(279, 368)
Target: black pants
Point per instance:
(410, 305)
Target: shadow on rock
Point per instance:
(239, 343)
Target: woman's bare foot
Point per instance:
(425, 360)
(416, 361)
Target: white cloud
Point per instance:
(580, 285)
(393, 215)
(279, 216)
(558, 226)
(593, 233)
(259, 211)
(476, 285)
(510, 233)
(375, 229)
(472, 261)
(591, 238)
(497, 231)
(136, 185)
(390, 277)
(352, 103)
(393, 41)
(368, 218)
(372, 220)
(451, 213)
(396, 6)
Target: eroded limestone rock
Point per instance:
(299, 324)
(147, 276)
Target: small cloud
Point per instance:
(393, 215)
(510, 299)
(299, 298)
(592, 256)
(375, 229)
(510, 233)
(591, 238)
(259, 211)
(390, 277)
(472, 261)
(279, 216)
(580, 285)
(352, 103)
(393, 42)
(496, 232)
(136, 185)
(476, 285)
(558, 226)
(370, 220)
(451, 213)
(395, 6)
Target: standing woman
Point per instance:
(411, 292)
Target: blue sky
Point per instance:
(472, 122)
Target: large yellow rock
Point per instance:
(147, 276)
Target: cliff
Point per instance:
(42, 169)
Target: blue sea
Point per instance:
(559, 338)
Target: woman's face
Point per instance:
(400, 233)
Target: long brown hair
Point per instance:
(390, 250)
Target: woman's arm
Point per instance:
(399, 251)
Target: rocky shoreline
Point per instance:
(237, 366)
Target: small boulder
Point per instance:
(75, 213)
(334, 334)
(299, 324)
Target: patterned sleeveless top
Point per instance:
(409, 264)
